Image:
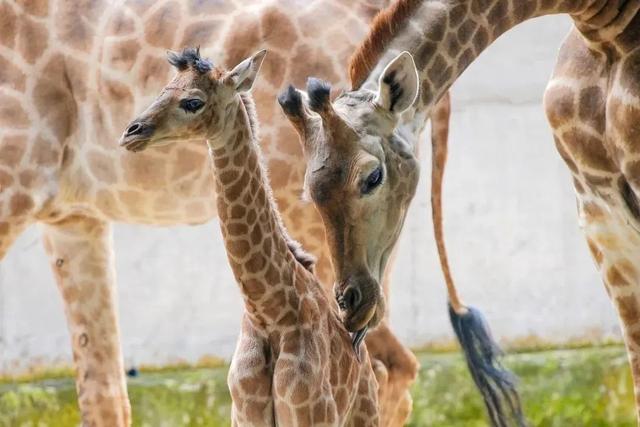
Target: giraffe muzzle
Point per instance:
(137, 136)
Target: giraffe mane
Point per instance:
(252, 115)
(303, 257)
(382, 30)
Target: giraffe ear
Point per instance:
(398, 85)
(244, 74)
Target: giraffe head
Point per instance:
(361, 174)
(195, 104)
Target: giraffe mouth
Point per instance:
(356, 341)
(135, 145)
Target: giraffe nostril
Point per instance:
(134, 129)
(352, 297)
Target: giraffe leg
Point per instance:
(250, 380)
(395, 366)
(606, 235)
(396, 369)
(81, 255)
(9, 232)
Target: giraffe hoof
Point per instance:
(356, 340)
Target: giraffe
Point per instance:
(592, 105)
(68, 86)
(294, 363)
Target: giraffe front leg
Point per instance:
(81, 255)
(621, 275)
(249, 380)
(396, 375)
(615, 247)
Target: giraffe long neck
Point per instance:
(445, 36)
(254, 237)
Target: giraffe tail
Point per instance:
(496, 384)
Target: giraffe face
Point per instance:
(361, 174)
(193, 105)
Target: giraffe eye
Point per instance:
(191, 105)
(373, 180)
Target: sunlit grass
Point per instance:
(584, 387)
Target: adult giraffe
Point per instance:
(592, 103)
(72, 75)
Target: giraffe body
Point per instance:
(72, 75)
(594, 117)
(592, 102)
(294, 364)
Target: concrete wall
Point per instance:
(514, 242)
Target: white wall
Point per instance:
(511, 228)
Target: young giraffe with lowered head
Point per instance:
(592, 103)
(294, 363)
(67, 88)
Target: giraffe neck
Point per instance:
(254, 237)
(445, 36)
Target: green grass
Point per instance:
(583, 387)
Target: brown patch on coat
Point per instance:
(201, 33)
(628, 309)
(68, 72)
(10, 75)
(158, 28)
(28, 178)
(119, 99)
(12, 115)
(35, 7)
(153, 74)
(5, 180)
(595, 251)
(311, 61)
(274, 68)
(626, 120)
(559, 105)
(591, 108)
(75, 23)
(122, 55)
(187, 162)
(56, 106)
(20, 204)
(615, 278)
(8, 21)
(32, 39)
(12, 149)
(277, 29)
(120, 24)
(383, 28)
(243, 40)
(588, 150)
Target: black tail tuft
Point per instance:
(496, 384)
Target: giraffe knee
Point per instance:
(381, 374)
(404, 365)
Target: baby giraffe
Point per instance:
(294, 364)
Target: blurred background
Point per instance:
(512, 231)
(516, 249)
